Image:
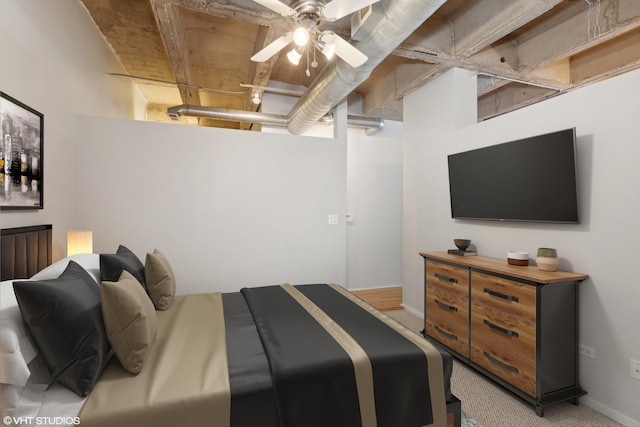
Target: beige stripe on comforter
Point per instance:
(434, 358)
(185, 379)
(361, 363)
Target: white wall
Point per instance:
(258, 202)
(439, 120)
(374, 194)
(229, 208)
(374, 197)
(54, 60)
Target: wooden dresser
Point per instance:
(515, 324)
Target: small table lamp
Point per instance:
(79, 242)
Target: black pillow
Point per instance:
(111, 266)
(64, 318)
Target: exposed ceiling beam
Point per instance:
(584, 27)
(558, 37)
(404, 79)
(261, 71)
(479, 24)
(509, 98)
(475, 26)
(584, 43)
(227, 9)
(530, 52)
(602, 61)
(169, 24)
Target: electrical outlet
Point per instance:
(585, 350)
(635, 369)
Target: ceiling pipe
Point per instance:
(226, 114)
(370, 124)
(396, 20)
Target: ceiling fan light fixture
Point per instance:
(301, 36)
(294, 56)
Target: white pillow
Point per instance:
(13, 367)
(9, 398)
(16, 349)
(90, 262)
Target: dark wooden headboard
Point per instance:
(25, 251)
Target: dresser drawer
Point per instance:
(453, 335)
(513, 332)
(512, 297)
(447, 305)
(506, 364)
(448, 277)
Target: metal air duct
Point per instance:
(226, 114)
(370, 124)
(397, 19)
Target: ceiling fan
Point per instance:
(309, 16)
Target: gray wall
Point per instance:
(440, 119)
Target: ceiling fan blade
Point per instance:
(337, 9)
(277, 6)
(272, 48)
(345, 50)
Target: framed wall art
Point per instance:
(21, 149)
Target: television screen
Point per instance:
(531, 179)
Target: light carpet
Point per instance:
(493, 406)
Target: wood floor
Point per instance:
(384, 299)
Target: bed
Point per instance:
(282, 355)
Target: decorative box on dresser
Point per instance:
(515, 324)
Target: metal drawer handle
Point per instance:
(500, 329)
(446, 278)
(499, 295)
(445, 333)
(500, 363)
(445, 306)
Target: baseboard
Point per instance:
(609, 412)
(413, 311)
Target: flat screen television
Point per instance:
(532, 179)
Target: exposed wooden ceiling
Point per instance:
(524, 51)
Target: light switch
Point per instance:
(333, 219)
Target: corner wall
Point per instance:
(439, 120)
(374, 197)
(55, 61)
